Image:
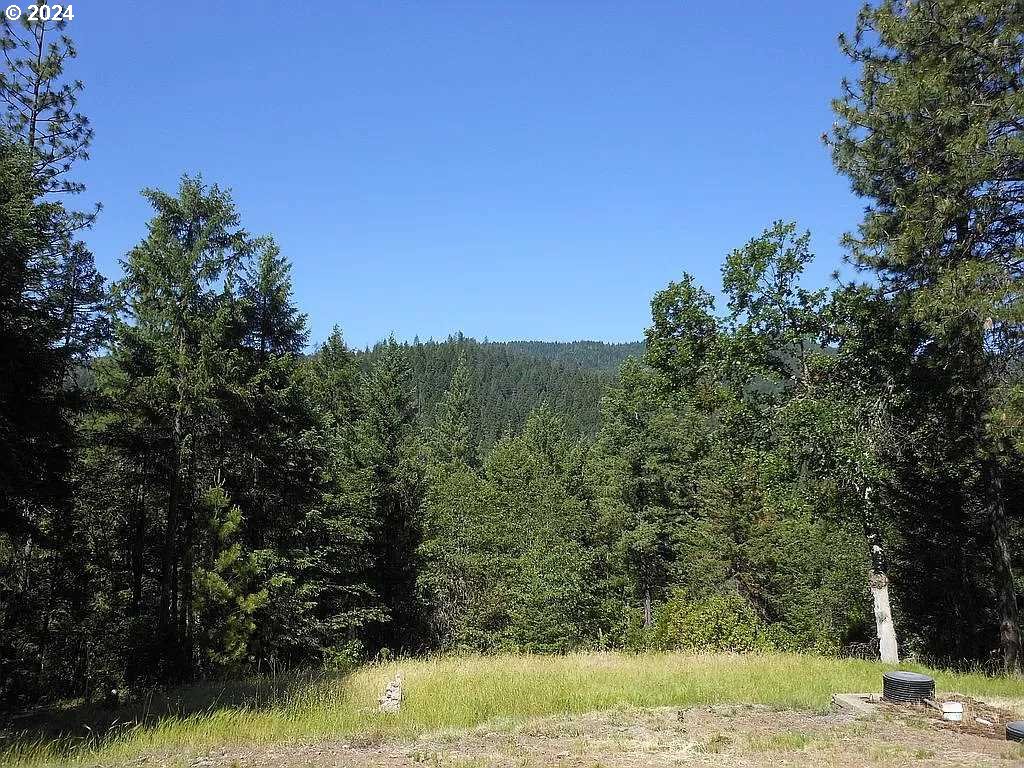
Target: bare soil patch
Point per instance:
(979, 718)
(725, 736)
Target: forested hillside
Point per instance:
(791, 467)
(508, 380)
(602, 355)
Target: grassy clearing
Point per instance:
(458, 693)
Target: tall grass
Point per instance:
(461, 692)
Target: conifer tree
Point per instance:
(42, 102)
(34, 429)
(642, 470)
(273, 323)
(931, 134)
(268, 450)
(450, 509)
(270, 460)
(36, 432)
(50, 282)
(390, 451)
(539, 564)
(332, 562)
(451, 437)
(172, 365)
(41, 113)
(229, 589)
(51, 320)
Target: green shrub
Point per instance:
(717, 622)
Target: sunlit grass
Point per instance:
(456, 693)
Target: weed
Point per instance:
(715, 745)
(786, 741)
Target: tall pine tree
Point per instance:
(172, 368)
(931, 134)
(391, 452)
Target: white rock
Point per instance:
(391, 700)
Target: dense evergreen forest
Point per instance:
(825, 469)
(507, 380)
(585, 354)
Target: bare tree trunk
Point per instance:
(1009, 617)
(647, 608)
(888, 648)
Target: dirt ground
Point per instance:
(725, 736)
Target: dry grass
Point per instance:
(457, 693)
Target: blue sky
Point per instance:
(531, 170)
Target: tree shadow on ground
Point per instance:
(74, 722)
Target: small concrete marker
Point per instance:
(861, 704)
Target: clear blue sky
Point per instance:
(530, 170)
